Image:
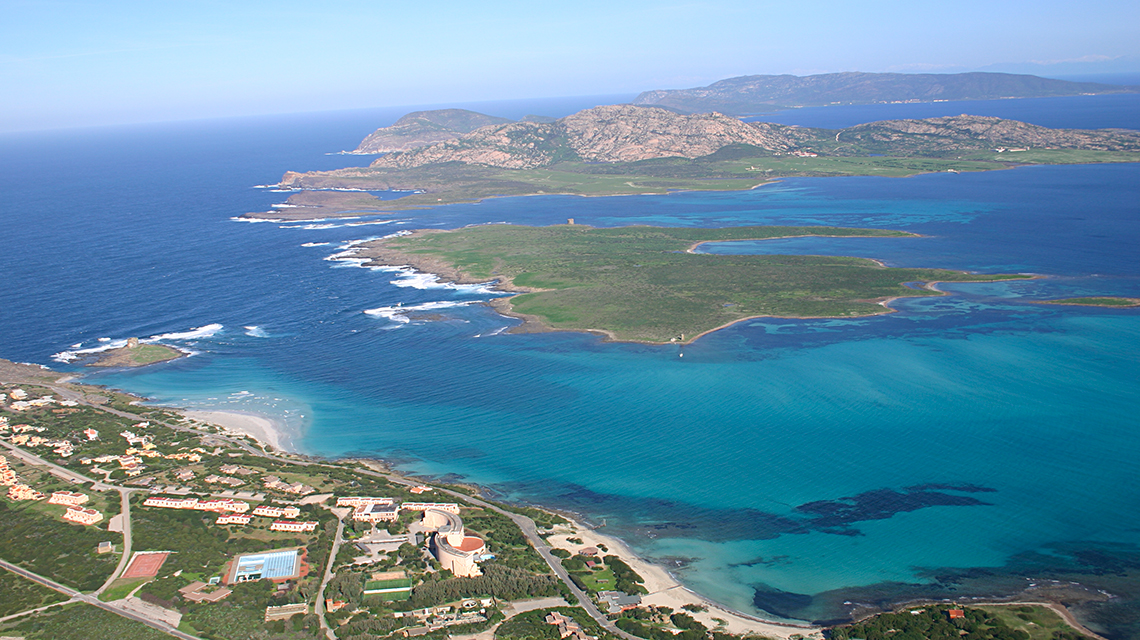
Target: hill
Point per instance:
(629, 133)
(750, 94)
(421, 128)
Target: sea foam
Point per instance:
(397, 313)
(255, 331)
(204, 331)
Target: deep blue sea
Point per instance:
(968, 445)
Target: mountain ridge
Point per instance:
(749, 94)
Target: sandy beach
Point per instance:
(259, 428)
(665, 590)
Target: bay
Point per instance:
(976, 442)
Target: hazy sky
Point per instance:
(79, 63)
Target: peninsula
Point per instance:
(648, 284)
(628, 149)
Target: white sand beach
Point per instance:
(260, 428)
(665, 590)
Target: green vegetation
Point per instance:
(121, 588)
(640, 283)
(138, 355)
(626, 578)
(53, 548)
(504, 583)
(1103, 301)
(661, 623)
(21, 594)
(82, 622)
(530, 625)
(934, 623)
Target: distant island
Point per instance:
(647, 284)
(1098, 301)
(752, 94)
(628, 149)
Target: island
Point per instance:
(629, 149)
(136, 354)
(649, 284)
(1111, 302)
(752, 94)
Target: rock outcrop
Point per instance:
(615, 133)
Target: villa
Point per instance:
(82, 515)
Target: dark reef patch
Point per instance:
(835, 516)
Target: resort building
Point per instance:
(67, 497)
(217, 504)
(285, 611)
(82, 515)
(449, 507)
(270, 511)
(21, 491)
(296, 526)
(91, 434)
(357, 501)
(567, 627)
(234, 518)
(376, 513)
(201, 592)
(456, 551)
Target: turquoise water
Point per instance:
(779, 466)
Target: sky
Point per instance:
(71, 64)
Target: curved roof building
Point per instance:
(455, 550)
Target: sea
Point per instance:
(973, 445)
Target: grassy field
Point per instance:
(595, 581)
(730, 169)
(1040, 622)
(640, 283)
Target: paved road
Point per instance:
(319, 607)
(91, 600)
(125, 499)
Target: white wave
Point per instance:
(244, 219)
(68, 356)
(396, 313)
(410, 278)
(77, 345)
(347, 251)
(255, 331)
(312, 227)
(365, 224)
(204, 331)
(286, 205)
(316, 244)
